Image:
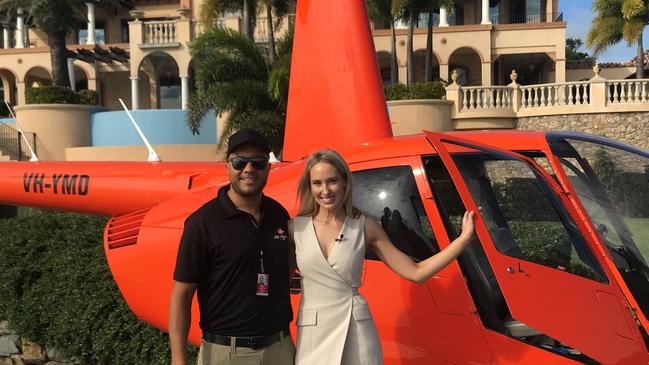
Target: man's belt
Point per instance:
(256, 342)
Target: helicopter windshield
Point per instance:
(612, 182)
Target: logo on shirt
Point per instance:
(280, 234)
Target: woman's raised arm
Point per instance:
(419, 272)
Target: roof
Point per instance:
(629, 63)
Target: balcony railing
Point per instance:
(529, 18)
(483, 98)
(627, 91)
(598, 95)
(159, 33)
(544, 95)
(422, 21)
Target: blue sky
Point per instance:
(579, 15)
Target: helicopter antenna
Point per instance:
(153, 155)
(33, 157)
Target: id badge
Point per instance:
(262, 284)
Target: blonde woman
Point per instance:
(330, 237)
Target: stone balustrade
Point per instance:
(489, 104)
(485, 98)
(159, 32)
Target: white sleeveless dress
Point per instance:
(334, 323)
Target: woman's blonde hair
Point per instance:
(308, 205)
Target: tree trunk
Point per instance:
(271, 35)
(394, 65)
(639, 64)
(245, 14)
(59, 59)
(409, 50)
(429, 49)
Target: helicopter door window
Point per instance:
(524, 219)
(390, 196)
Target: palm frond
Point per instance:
(632, 30)
(278, 80)
(236, 97)
(285, 44)
(220, 67)
(199, 105)
(241, 95)
(226, 40)
(604, 32)
(211, 10)
(267, 123)
(607, 8)
(632, 8)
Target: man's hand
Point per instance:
(179, 320)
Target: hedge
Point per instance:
(431, 90)
(60, 95)
(56, 289)
(629, 190)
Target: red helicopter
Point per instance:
(557, 274)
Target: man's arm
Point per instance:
(179, 320)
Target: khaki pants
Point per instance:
(279, 353)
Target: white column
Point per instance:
(20, 29)
(443, 17)
(91, 23)
(135, 94)
(73, 83)
(184, 91)
(485, 12)
(5, 37)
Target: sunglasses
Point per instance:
(240, 163)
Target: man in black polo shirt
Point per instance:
(234, 253)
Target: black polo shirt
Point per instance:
(219, 250)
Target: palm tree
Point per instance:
(233, 76)
(213, 9)
(278, 8)
(431, 6)
(55, 18)
(389, 11)
(412, 11)
(616, 20)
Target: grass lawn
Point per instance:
(640, 229)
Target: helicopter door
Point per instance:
(550, 279)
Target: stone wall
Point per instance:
(15, 350)
(631, 128)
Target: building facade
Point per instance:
(140, 52)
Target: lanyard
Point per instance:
(255, 227)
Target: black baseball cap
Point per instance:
(246, 135)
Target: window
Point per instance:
(494, 14)
(613, 185)
(533, 11)
(100, 33)
(124, 34)
(456, 17)
(524, 218)
(390, 196)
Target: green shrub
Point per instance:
(50, 95)
(518, 199)
(396, 92)
(56, 289)
(629, 190)
(431, 90)
(60, 95)
(88, 97)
